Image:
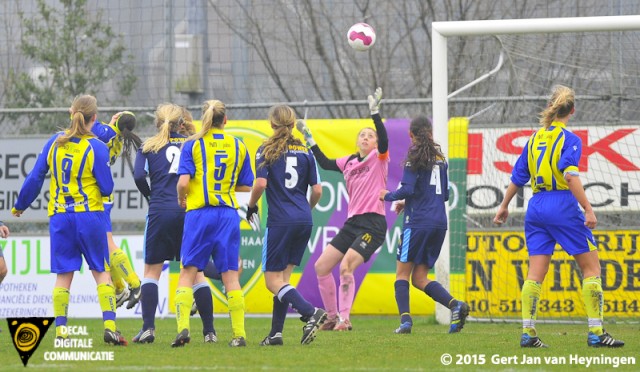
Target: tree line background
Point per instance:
(252, 53)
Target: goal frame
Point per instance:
(439, 77)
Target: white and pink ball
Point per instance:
(361, 37)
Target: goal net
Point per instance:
(484, 129)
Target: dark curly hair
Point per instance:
(424, 152)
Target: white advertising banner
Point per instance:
(28, 287)
(609, 170)
(17, 158)
(609, 166)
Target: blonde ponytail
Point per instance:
(213, 115)
(83, 110)
(560, 105)
(168, 119)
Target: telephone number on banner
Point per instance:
(567, 306)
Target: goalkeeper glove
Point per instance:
(374, 101)
(253, 218)
(306, 133)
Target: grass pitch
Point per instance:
(371, 346)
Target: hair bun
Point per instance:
(127, 120)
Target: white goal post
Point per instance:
(442, 30)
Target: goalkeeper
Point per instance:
(365, 174)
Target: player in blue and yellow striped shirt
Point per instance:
(213, 166)
(120, 140)
(550, 161)
(80, 177)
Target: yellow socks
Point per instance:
(184, 301)
(107, 300)
(530, 297)
(236, 312)
(121, 269)
(593, 299)
(60, 309)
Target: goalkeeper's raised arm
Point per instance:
(365, 173)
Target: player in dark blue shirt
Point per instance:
(285, 168)
(425, 190)
(158, 159)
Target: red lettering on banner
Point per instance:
(602, 147)
(505, 145)
(474, 156)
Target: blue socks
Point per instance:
(436, 291)
(279, 316)
(148, 302)
(288, 294)
(402, 299)
(204, 302)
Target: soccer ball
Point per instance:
(361, 36)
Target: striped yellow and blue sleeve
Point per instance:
(571, 153)
(520, 174)
(101, 170)
(35, 179)
(109, 135)
(245, 177)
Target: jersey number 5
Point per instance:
(221, 167)
(290, 169)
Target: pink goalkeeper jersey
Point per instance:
(364, 181)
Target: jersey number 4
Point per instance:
(435, 179)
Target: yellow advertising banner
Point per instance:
(497, 264)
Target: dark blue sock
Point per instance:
(210, 271)
(402, 299)
(288, 294)
(202, 296)
(149, 302)
(436, 291)
(279, 316)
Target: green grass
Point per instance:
(370, 346)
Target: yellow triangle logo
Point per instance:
(26, 334)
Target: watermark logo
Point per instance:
(27, 333)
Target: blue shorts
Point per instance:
(107, 216)
(213, 232)
(421, 245)
(163, 236)
(74, 235)
(283, 246)
(555, 217)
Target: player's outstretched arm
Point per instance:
(323, 161)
